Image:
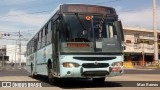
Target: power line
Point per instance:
(35, 5)
(40, 5)
(26, 13)
(108, 1)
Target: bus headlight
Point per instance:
(70, 64)
(117, 64)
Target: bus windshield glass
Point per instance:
(78, 29)
(90, 29)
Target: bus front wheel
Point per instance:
(52, 80)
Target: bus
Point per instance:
(77, 41)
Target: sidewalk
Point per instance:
(10, 67)
(143, 67)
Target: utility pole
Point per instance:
(15, 52)
(155, 31)
(19, 35)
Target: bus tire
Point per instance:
(52, 80)
(99, 80)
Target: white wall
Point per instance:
(13, 52)
(130, 47)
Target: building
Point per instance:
(12, 54)
(3, 57)
(139, 45)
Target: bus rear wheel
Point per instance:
(99, 80)
(32, 72)
(52, 80)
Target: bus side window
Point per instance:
(39, 40)
(28, 49)
(46, 32)
(35, 42)
(49, 33)
(43, 36)
(32, 46)
(49, 26)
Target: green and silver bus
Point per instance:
(77, 41)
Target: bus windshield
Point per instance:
(78, 29)
(91, 29)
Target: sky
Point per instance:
(27, 16)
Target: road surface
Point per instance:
(129, 80)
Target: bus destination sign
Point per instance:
(75, 45)
(87, 9)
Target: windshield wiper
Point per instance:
(80, 21)
(102, 20)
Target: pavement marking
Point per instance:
(139, 69)
(145, 69)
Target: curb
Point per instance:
(143, 68)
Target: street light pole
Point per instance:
(155, 31)
(15, 52)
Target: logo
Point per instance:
(110, 44)
(6, 84)
(21, 84)
(95, 63)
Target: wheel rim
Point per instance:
(50, 74)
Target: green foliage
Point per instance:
(126, 53)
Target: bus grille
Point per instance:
(94, 58)
(93, 65)
(95, 73)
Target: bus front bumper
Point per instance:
(81, 72)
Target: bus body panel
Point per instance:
(43, 55)
(77, 71)
(30, 64)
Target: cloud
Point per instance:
(140, 18)
(10, 2)
(22, 19)
(16, 21)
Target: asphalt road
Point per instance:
(142, 71)
(22, 72)
(13, 72)
(129, 79)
